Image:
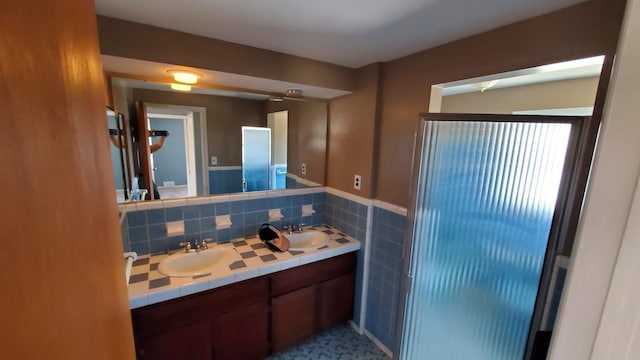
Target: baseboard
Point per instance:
(356, 327)
(378, 343)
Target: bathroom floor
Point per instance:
(342, 342)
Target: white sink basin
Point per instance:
(307, 240)
(196, 263)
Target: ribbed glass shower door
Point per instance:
(256, 158)
(486, 192)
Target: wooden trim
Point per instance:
(501, 118)
(64, 294)
(144, 149)
(586, 151)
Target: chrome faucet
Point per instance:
(195, 247)
(290, 229)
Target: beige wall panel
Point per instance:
(551, 95)
(352, 134)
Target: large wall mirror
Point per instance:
(212, 141)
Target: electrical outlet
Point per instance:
(357, 181)
(304, 169)
(214, 160)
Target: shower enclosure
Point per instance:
(489, 194)
(256, 158)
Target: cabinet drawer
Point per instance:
(179, 312)
(289, 280)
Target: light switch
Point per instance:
(214, 160)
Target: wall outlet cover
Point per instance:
(357, 181)
(304, 169)
(214, 160)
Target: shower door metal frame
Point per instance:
(566, 213)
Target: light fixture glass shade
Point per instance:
(185, 77)
(181, 87)
(485, 85)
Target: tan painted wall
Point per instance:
(307, 136)
(278, 123)
(64, 294)
(551, 95)
(145, 42)
(225, 118)
(352, 123)
(584, 30)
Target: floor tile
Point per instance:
(338, 343)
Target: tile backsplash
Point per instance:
(350, 217)
(146, 230)
(385, 274)
(124, 232)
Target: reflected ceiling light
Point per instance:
(181, 87)
(276, 98)
(184, 76)
(484, 85)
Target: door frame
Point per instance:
(564, 218)
(189, 144)
(202, 111)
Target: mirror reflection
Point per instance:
(115, 124)
(211, 141)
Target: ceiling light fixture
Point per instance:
(483, 86)
(184, 76)
(181, 87)
(294, 93)
(276, 98)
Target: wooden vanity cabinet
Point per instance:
(215, 324)
(242, 334)
(335, 301)
(294, 317)
(251, 319)
(311, 298)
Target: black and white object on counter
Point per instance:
(273, 238)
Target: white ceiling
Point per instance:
(346, 32)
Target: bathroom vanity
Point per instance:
(246, 312)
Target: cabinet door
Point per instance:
(335, 301)
(293, 317)
(242, 334)
(191, 342)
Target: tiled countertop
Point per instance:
(147, 286)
